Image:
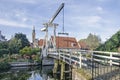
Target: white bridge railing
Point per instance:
(111, 58)
(80, 58)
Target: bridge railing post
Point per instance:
(70, 58)
(58, 54)
(64, 57)
(80, 60)
(92, 65)
(110, 59)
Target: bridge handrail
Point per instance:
(99, 56)
(80, 50)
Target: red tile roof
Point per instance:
(66, 42)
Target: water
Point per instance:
(28, 73)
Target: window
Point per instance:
(73, 44)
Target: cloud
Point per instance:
(91, 20)
(34, 2)
(21, 16)
(81, 17)
(13, 23)
(88, 21)
(102, 0)
(26, 1)
(24, 19)
(99, 9)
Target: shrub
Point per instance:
(4, 66)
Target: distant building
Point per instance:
(34, 40)
(2, 38)
(83, 45)
(33, 35)
(65, 42)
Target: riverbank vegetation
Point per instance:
(112, 44)
(30, 53)
(4, 66)
(17, 49)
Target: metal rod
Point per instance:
(63, 20)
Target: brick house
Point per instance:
(65, 42)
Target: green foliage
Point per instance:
(18, 42)
(23, 39)
(29, 51)
(111, 44)
(3, 45)
(14, 45)
(3, 48)
(26, 50)
(4, 66)
(3, 51)
(92, 41)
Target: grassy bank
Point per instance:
(85, 74)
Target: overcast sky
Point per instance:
(81, 17)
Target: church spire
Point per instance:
(33, 35)
(34, 28)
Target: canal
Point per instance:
(28, 73)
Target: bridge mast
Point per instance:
(54, 25)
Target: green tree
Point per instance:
(14, 45)
(29, 51)
(4, 45)
(19, 41)
(111, 44)
(23, 38)
(3, 48)
(3, 52)
(92, 41)
(26, 51)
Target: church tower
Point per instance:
(33, 35)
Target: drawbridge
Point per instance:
(101, 65)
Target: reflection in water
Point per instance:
(35, 76)
(27, 73)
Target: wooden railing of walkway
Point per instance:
(98, 60)
(78, 57)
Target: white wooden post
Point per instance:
(92, 59)
(58, 54)
(110, 59)
(80, 58)
(70, 58)
(64, 56)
